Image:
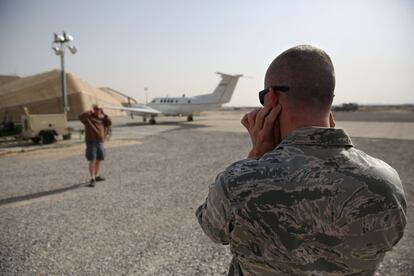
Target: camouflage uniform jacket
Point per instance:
(315, 205)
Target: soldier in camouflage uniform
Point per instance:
(305, 201)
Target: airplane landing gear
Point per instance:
(190, 118)
(152, 121)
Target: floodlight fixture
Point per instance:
(73, 49)
(56, 49)
(67, 37)
(58, 38)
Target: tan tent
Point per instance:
(6, 79)
(42, 95)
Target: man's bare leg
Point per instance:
(92, 170)
(97, 166)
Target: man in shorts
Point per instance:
(96, 127)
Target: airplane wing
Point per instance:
(136, 109)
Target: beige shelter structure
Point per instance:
(6, 79)
(42, 94)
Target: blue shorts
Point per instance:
(95, 151)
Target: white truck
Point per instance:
(44, 128)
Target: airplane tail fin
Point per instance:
(223, 92)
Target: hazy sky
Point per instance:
(174, 47)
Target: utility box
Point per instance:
(44, 128)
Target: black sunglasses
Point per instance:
(281, 88)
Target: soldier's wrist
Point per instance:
(254, 154)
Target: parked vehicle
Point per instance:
(346, 107)
(44, 128)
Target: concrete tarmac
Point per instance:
(363, 128)
(141, 221)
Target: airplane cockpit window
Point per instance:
(153, 101)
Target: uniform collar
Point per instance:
(318, 136)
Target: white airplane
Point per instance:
(186, 106)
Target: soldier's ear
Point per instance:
(331, 120)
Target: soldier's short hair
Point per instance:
(308, 72)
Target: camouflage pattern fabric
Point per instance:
(315, 205)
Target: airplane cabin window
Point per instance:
(189, 101)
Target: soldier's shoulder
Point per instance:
(378, 165)
(240, 167)
(378, 169)
(251, 169)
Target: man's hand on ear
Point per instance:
(263, 128)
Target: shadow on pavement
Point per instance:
(15, 199)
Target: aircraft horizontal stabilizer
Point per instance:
(224, 74)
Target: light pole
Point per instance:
(60, 42)
(146, 94)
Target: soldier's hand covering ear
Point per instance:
(263, 127)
